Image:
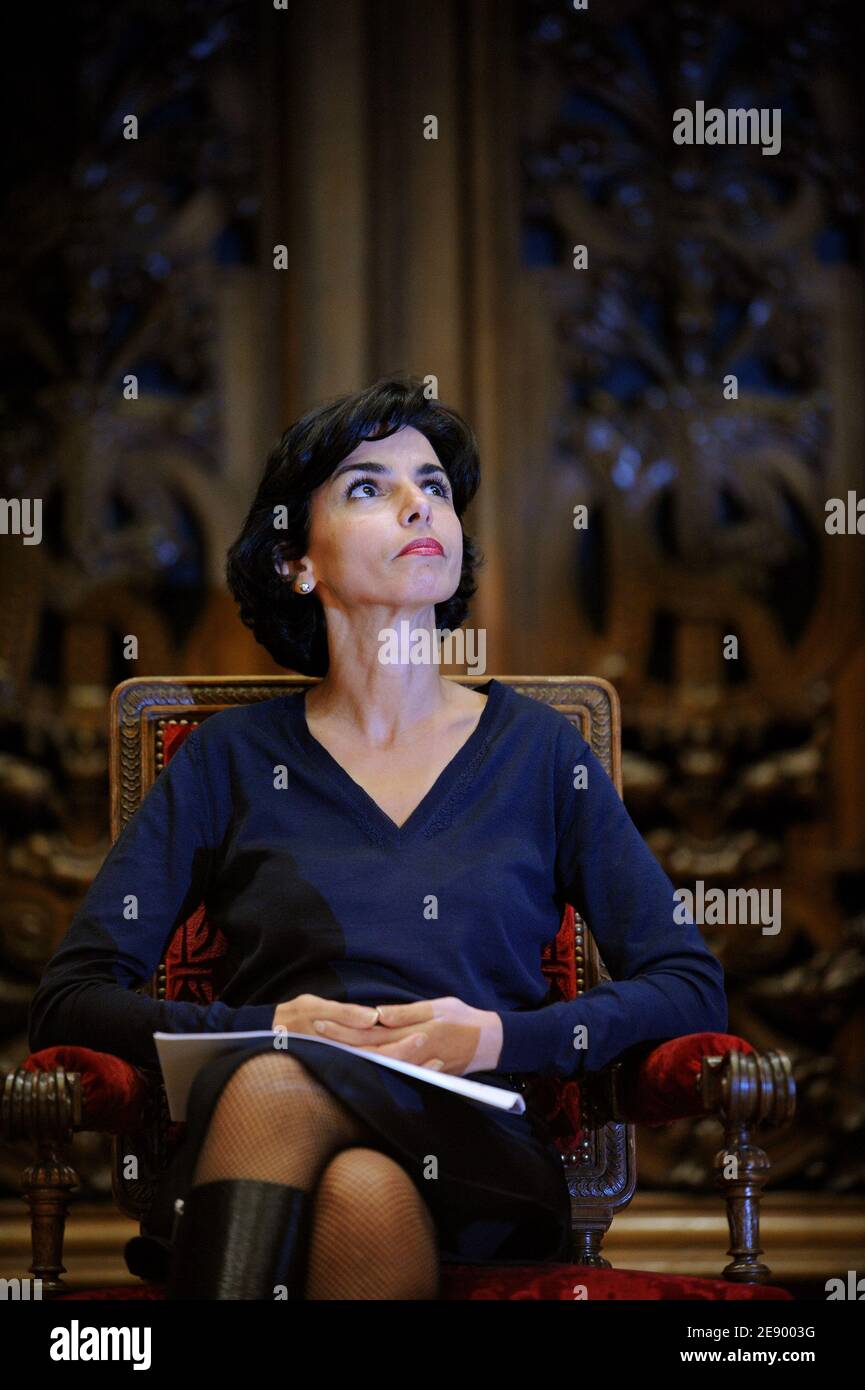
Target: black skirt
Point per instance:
(500, 1196)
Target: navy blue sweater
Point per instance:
(318, 891)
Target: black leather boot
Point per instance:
(241, 1238)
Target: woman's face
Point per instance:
(385, 494)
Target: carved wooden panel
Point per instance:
(706, 512)
(132, 348)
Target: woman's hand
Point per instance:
(444, 1034)
(299, 1016)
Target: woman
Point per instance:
(386, 856)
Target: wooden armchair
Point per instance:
(61, 1090)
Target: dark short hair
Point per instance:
(292, 626)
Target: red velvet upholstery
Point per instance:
(566, 1281)
(664, 1085)
(550, 1282)
(197, 951)
(113, 1091)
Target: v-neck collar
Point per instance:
(431, 809)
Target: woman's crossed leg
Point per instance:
(372, 1234)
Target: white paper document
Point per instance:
(182, 1054)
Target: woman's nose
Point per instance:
(418, 504)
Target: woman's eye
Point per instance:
(361, 482)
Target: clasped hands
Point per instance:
(443, 1034)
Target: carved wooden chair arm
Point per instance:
(43, 1103)
(743, 1089)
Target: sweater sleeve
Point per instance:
(665, 982)
(153, 877)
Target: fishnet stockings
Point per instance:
(372, 1235)
(276, 1122)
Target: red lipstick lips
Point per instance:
(425, 546)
